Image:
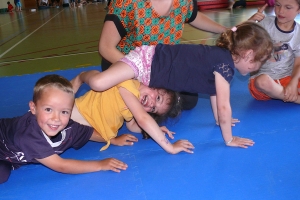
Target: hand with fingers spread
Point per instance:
(112, 164)
(167, 131)
(183, 145)
(233, 122)
(239, 142)
(257, 17)
(124, 140)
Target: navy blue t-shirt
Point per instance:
(189, 68)
(22, 141)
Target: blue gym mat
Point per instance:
(269, 170)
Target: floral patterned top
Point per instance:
(139, 24)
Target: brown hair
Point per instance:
(52, 80)
(248, 35)
(174, 111)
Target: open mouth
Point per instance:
(53, 127)
(144, 100)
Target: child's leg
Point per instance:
(5, 169)
(267, 85)
(115, 74)
(274, 89)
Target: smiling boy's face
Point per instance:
(53, 110)
(286, 12)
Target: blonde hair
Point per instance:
(52, 80)
(248, 35)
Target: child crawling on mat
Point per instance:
(132, 102)
(46, 131)
(194, 68)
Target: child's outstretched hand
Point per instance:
(112, 164)
(240, 142)
(257, 17)
(167, 131)
(233, 122)
(124, 140)
(183, 145)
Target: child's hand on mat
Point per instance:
(167, 131)
(233, 122)
(124, 140)
(240, 142)
(112, 164)
(183, 145)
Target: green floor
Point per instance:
(63, 38)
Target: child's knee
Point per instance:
(264, 82)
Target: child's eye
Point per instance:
(65, 112)
(48, 109)
(158, 98)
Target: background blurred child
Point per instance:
(46, 131)
(9, 7)
(279, 77)
(18, 5)
(195, 69)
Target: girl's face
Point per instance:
(286, 11)
(245, 65)
(154, 100)
(52, 110)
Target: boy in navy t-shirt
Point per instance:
(46, 131)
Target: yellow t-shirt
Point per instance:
(106, 111)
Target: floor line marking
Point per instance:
(28, 35)
(33, 59)
(16, 19)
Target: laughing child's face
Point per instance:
(154, 100)
(52, 110)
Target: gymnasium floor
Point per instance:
(64, 41)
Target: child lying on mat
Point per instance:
(46, 131)
(195, 69)
(129, 101)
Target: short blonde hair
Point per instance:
(52, 80)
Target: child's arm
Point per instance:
(70, 166)
(213, 102)
(134, 127)
(121, 140)
(291, 90)
(224, 113)
(147, 123)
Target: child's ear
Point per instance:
(249, 55)
(32, 107)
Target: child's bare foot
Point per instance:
(76, 82)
